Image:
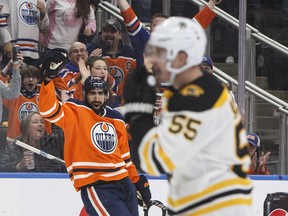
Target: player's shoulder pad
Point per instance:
(77, 102)
(112, 113)
(199, 95)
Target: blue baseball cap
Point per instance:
(208, 60)
(253, 139)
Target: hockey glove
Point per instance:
(139, 94)
(143, 192)
(52, 62)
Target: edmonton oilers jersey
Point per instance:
(20, 23)
(96, 148)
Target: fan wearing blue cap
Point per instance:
(207, 64)
(258, 160)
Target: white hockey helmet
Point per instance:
(178, 34)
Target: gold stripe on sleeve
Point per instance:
(221, 100)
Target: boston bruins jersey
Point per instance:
(202, 145)
(95, 148)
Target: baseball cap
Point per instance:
(208, 60)
(253, 139)
(113, 23)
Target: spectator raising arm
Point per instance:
(139, 35)
(13, 90)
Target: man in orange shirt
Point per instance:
(118, 55)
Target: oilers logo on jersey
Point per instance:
(25, 109)
(28, 13)
(104, 137)
(117, 73)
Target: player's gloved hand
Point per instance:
(139, 94)
(52, 62)
(143, 192)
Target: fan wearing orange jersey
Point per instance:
(96, 66)
(25, 103)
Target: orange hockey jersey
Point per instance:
(18, 109)
(95, 148)
(119, 68)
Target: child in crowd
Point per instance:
(25, 103)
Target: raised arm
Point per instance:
(206, 15)
(137, 33)
(13, 91)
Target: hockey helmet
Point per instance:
(178, 34)
(93, 82)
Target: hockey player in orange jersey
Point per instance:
(96, 150)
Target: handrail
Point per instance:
(279, 104)
(222, 80)
(111, 9)
(225, 76)
(272, 97)
(255, 90)
(110, 6)
(254, 32)
(115, 11)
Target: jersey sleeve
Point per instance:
(5, 36)
(12, 91)
(49, 107)
(205, 17)
(91, 21)
(60, 84)
(137, 33)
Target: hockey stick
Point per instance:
(37, 151)
(158, 204)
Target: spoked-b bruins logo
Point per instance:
(104, 137)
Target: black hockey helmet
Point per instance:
(94, 82)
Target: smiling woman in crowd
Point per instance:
(13, 157)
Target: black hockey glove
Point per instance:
(52, 62)
(139, 94)
(143, 192)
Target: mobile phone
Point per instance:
(15, 51)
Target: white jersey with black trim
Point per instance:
(20, 23)
(202, 144)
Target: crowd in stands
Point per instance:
(39, 26)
